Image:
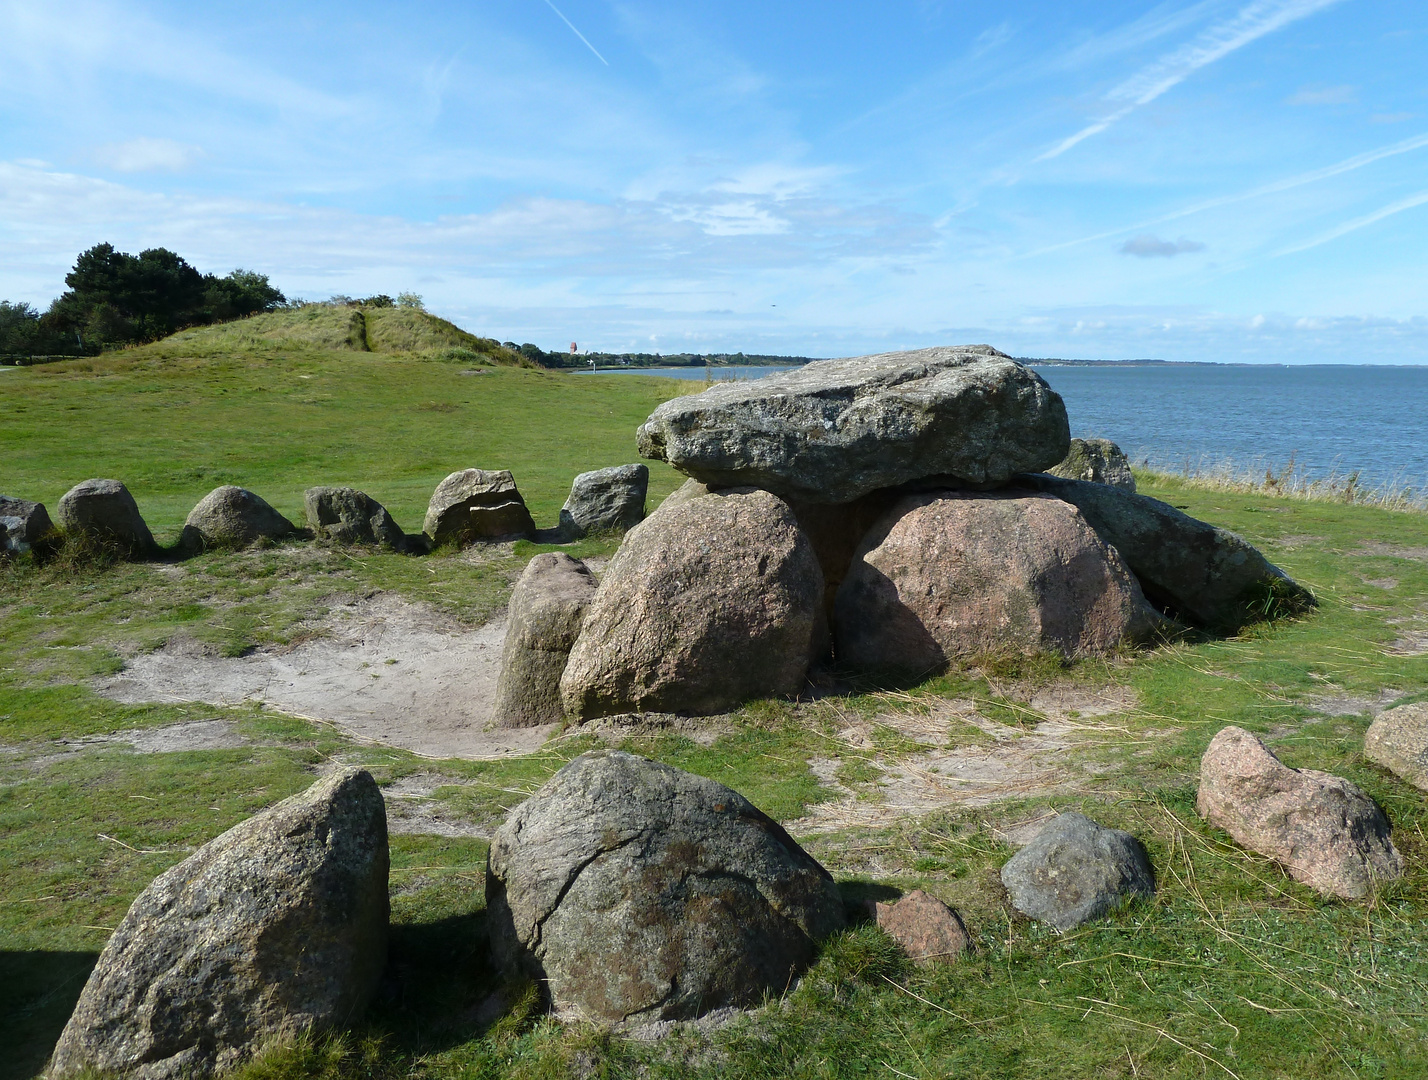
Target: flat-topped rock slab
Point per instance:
(834, 430)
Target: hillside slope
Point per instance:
(325, 328)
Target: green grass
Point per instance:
(1232, 970)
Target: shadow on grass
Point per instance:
(439, 989)
(37, 994)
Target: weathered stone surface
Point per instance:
(349, 516)
(690, 489)
(477, 505)
(1205, 574)
(23, 524)
(276, 927)
(1324, 830)
(706, 604)
(1097, 461)
(1076, 870)
(605, 500)
(546, 613)
(834, 430)
(633, 890)
(1398, 740)
(233, 517)
(105, 511)
(929, 931)
(954, 574)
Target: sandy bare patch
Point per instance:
(1354, 704)
(968, 768)
(389, 671)
(191, 735)
(1393, 551)
(1299, 540)
(413, 808)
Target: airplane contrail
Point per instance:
(1358, 223)
(577, 33)
(1259, 18)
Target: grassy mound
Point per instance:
(328, 328)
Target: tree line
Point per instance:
(115, 298)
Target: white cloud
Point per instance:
(1147, 246)
(147, 155)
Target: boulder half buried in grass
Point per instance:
(928, 930)
(546, 613)
(1324, 830)
(606, 500)
(955, 575)
(1205, 574)
(275, 928)
(104, 512)
(1076, 870)
(635, 891)
(233, 517)
(23, 525)
(348, 516)
(477, 505)
(1398, 740)
(706, 604)
(834, 430)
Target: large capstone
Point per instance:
(477, 505)
(233, 517)
(834, 430)
(1324, 830)
(956, 575)
(23, 525)
(706, 604)
(1204, 574)
(345, 515)
(275, 928)
(606, 500)
(635, 891)
(105, 512)
(1076, 870)
(546, 613)
(1097, 461)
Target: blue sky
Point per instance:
(1201, 181)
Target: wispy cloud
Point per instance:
(1358, 161)
(1358, 223)
(577, 33)
(1253, 22)
(1324, 95)
(147, 155)
(1147, 246)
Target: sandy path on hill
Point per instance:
(388, 671)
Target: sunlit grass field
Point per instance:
(1232, 970)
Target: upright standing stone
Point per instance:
(634, 891)
(1324, 830)
(705, 605)
(233, 517)
(348, 516)
(1207, 574)
(477, 505)
(605, 500)
(834, 430)
(103, 510)
(955, 575)
(545, 616)
(23, 524)
(277, 927)
(1097, 461)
